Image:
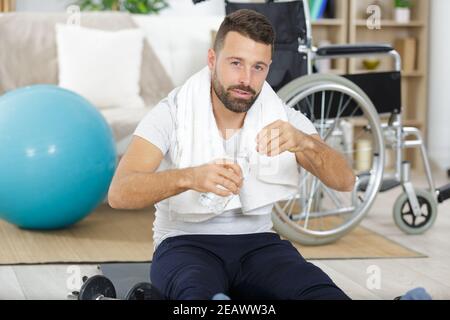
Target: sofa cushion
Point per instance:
(102, 66)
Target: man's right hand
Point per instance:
(222, 177)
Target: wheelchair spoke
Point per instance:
(311, 108)
(414, 218)
(409, 209)
(330, 131)
(315, 185)
(332, 196)
(287, 203)
(291, 202)
(307, 208)
(292, 207)
(329, 104)
(341, 108)
(322, 114)
(353, 112)
(336, 120)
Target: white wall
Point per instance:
(187, 8)
(177, 7)
(439, 84)
(46, 5)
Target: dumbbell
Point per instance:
(100, 287)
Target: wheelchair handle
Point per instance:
(357, 50)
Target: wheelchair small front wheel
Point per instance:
(406, 220)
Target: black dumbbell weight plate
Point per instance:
(140, 291)
(95, 287)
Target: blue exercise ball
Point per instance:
(57, 157)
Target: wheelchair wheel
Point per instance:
(343, 115)
(406, 220)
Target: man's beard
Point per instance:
(231, 103)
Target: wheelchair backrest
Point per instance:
(289, 19)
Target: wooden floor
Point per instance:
(358, 278)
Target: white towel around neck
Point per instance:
(198, 141)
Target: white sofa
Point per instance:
(180, 44)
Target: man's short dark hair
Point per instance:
(248, 23)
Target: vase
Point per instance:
(402, 15)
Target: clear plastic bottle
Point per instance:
(216, 203)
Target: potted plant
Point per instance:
(132, 6)
(402, 11)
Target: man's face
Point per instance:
(239, 71)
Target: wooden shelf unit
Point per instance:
(7, 5)
(391, 24)
(414, 83)
(335, 31)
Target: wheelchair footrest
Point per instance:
(444, 193)
(386, 185)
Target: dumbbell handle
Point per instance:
(102, 297)
(74, 296)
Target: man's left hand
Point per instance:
(278, 137)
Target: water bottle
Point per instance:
(216, 203)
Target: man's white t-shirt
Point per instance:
(157, 127)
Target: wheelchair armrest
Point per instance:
(353, 49)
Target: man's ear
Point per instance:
(211, 59)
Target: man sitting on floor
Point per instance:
(179, 153)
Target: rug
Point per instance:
(109, 235)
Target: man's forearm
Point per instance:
(140, 190)
(325, 163)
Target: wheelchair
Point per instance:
(346, 111)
